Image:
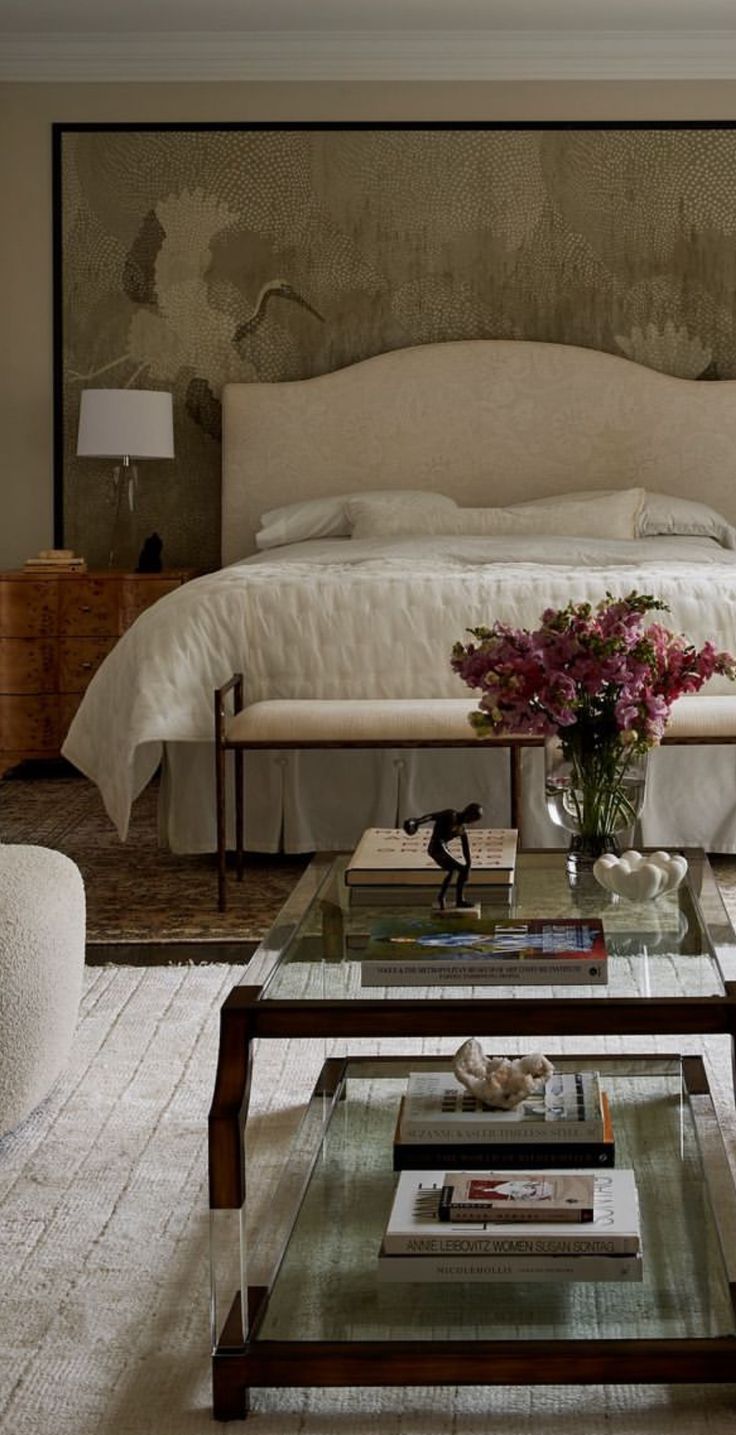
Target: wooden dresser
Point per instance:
(55, 630)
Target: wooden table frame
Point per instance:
(239, 1365)
(248, 1014)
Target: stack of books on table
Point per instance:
(484, 951)
(513, 1226)
(390, 868)
(54, 560)
(567, 1124)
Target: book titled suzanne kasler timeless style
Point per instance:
(438, 1108)
(440, 1123)
(387, 856)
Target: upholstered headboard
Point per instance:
(486, 421)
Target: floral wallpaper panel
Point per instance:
(191, 257)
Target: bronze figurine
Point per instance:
(447, 825)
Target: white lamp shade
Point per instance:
(114, 423)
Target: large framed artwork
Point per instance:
(190, 255)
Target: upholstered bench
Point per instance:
(395, 722)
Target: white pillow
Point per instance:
(329, 517)
(663, 514)
(615, 516)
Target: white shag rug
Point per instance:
(104, 1231)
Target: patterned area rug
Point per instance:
(103, 1244)
(137, 893)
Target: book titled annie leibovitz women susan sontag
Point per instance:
(418, 1246)
(414, 1226)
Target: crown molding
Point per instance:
(371, 55)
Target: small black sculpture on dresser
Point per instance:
(149, 558)
(448, 824)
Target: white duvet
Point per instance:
(369, 618)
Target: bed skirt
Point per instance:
(322, 801)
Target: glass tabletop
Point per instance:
(682, 945)
(327, 1285)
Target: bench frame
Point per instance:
(514, 742)
(224, 744)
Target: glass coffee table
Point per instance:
(316, 1313)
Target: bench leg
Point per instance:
(221, 841)
(239, 811)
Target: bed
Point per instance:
(358, 610)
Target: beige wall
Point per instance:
(26, 115)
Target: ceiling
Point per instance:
(366, 39)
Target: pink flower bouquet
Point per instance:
(600, 679)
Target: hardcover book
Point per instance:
(477, 1154)
(449, 1269)
(417, 951)
(437, 1107)
(528, 1196)
(387, 856)
(408, 894)
(414, 1227)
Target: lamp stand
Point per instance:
(122, 538)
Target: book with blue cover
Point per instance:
(421, 950)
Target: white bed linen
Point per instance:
(372, 618)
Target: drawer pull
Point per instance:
(86, 608)
(86, 666)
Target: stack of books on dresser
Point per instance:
(55, 560)
(501, 1225)
(566, 1125)
(390, 868)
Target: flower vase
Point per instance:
(595, 791)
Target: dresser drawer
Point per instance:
(88, 607)
(28, 608)
(79, 659)
(68, 704)
(55, 631)
(141, 593)
(27, 665)
(29, 724)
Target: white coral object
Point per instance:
(640, 877)
(496, 1080)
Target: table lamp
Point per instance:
(125, 424)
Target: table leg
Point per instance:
(226, 1129)
(230, 1398)
(516, 790)
(239, 798)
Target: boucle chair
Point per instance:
(42, 934)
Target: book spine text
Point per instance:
(520, 1268)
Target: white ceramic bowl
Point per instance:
(640, 877)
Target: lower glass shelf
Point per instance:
(337, 1193)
